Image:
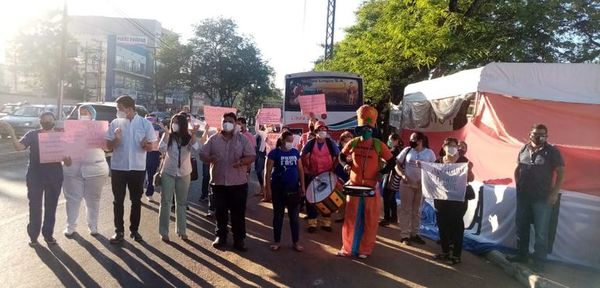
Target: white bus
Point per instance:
(343, 96)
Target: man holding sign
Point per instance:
(44, 180)
(446, 182)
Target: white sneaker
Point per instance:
(69, 232)
(150, 198)
(94, 232)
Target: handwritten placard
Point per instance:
(89, 133)
(444, 181)
(268, 116)
(271, 141)
(312, 104)
(52, 147)
(213, 115)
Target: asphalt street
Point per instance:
(87, 261)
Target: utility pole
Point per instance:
(61, 71)
(329, 29)
(99, 80)
(85, 75)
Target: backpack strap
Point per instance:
(377, 145)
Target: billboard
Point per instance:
(341, 93)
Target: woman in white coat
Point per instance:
(84, 180)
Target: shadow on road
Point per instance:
(62, 265)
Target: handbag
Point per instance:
(156, 179)
(470, 193)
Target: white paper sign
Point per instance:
(444, 181)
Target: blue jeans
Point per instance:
(152, 163)
(536, 211)
(281, 201)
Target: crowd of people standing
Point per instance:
(284, 174)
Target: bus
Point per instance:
(343, 96)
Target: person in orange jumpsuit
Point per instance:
(363, 156)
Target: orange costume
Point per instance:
(365, 157)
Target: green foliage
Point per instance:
(228, 67)
(171, 58)
(397, 42)
(38, 53)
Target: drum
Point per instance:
(359, 191)
(325, 191)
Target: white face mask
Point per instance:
(238, 128)
(85, 117)
(452, 151)
(289, 145)
(121, 114)
(175, 127)
(227, 127)
(322, 134)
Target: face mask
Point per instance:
(238, 128)
(47, 125)
(390, 143)
(451, 151)
(85, 117)
(322, 134)
(413, 144)
(175, 127)
(367, 134)
(228, 127)
(289, 145)
(121, 114)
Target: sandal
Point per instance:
(298, 248)
(274, 247)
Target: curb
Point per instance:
(522, 273)
(12, 156)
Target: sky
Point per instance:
(288, 32)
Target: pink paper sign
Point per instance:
(52, 147)
(268, 116)
(312, 104)
(214, 115)
(271, 140)
(90, 133)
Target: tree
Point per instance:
(227, 67)
(38, 54)
(171, 58)
(396, 42)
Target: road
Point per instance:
(87, 261)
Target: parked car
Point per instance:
(26, 118)
(10, 108)
(105, 111)
(161, 115)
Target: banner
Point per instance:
(268, 116)
(444, 181)
(312, 104)
(214, 115)
(77, 137)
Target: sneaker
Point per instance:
(117, 238)
(518, 259)
(209, 214)
(135, 235)
(150, 198)
(454, 260)
(442, 256)
(165, 238)
(33, 243)
(342, 254)
(312, 229)
(203, 199)
(405, 241)
(94, 232)
(417, 239)
(69, 232)
(239, 246)
(362, 256)
(219, 242)
(384, 223)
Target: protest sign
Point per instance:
(271, 141)
(89, 133)
(444, 181)
(214, 115)
(312, 104)
(52, 147)
(268, 116)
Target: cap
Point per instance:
(367, 115)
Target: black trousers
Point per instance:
(390, 212)
(120, 182)
(282, 200)
(231, 200)
(449, 216)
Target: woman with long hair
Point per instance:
(177, 147)
(285, 186)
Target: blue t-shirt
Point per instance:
(285, 168)
(35, 168)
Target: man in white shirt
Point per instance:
(130, 136)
